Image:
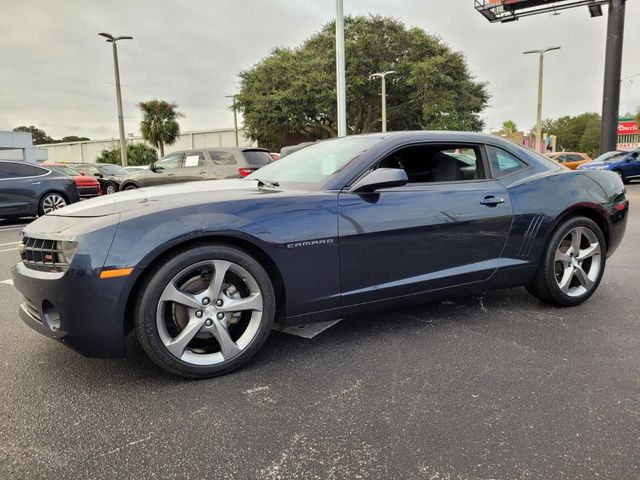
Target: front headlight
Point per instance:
(66, 250)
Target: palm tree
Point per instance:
(509, 128)
(159, 124)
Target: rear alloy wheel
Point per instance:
(110, 188)
(205, 312)
(572, 264)
(51, 202)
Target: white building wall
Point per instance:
(88, 151)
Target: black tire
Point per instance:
(47, 197)
(545, 284)
(622, 176)
(110, 186)
(130, 186)
(149, 298)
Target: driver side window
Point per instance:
(437, 163)
(170, 162)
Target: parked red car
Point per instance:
(88, 187)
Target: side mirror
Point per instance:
(99, 175)
(380, 178)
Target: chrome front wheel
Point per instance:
(205, 311)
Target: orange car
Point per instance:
(570, 159)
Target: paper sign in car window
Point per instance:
(191, 161)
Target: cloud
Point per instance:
(57, 73)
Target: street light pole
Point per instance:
(340, 72)
(123, 143)
(383, 76)
(540, 82)
(235, 118)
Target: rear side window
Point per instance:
(503, 163)
(17, 170)
(257, 157)
(222, 158)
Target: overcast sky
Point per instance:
(57, 74)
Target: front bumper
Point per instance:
(84, 313)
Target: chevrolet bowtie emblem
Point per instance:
(20, 248)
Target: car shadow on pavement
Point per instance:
(281, 349)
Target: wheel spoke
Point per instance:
(252, 302)
(562, 257)
(582, 277)
(590, 251)
(576, 239)
(220, 270)
(177, 345)
(172, 294)
(228, 347)
(567, 275)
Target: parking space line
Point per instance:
(7, 282)
(10, 243)
(9, 250)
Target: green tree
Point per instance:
(159, 125)
(580, 133)
(509, 127)
(39, 136)
(73, 138)
(290, 95)
(137, 154)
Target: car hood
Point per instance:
(165, 197)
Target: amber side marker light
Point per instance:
(117, 272)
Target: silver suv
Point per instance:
(200, 164)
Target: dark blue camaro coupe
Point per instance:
(201, 271)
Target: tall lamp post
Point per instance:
(235, 118)
(383, 76)
(123, 144)
(340, 72)
(540, 80)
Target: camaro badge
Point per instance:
(310, 243)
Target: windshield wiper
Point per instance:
(268, 183)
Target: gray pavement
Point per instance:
(494, 387)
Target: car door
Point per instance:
(194, 167)
(164, 171)
(20, 187)
(444, 228)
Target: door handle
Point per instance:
(491, 201)
(171, 174)
(203, 172)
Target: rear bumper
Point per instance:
(83, 312)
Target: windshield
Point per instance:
(608, 156)
(112, 170)
(315, 163)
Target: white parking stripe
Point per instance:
(10, 243)
(9, 250)
(7, 282)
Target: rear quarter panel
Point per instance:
(540, 202)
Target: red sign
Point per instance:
(628, 128)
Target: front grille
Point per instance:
(42, 255)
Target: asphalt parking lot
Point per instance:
(493, 387)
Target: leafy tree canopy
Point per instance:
(576, 134)
(509, 127)
(290, 95)
(39, 136)
(137, 154)
(159, 125)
